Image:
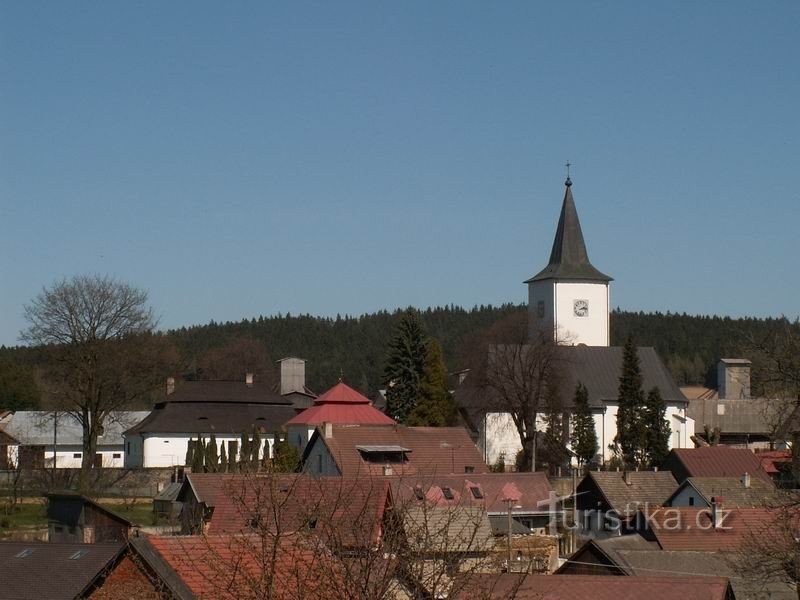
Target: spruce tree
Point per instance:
(212, 458)
(656, 429)
(232, 465)
(223, 458)
(405, 366)
(287, 457)
(630, 433)
(255, 448)
(244, 452)
(189, 453)
(584, 436)
(435, 406)
(198, 460)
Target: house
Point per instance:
(384, 450)
(74, 518)
(165, 503)
(293, 383)
(778, 465)
(632, 555)
(714, 461)
(731, 412)
(596, 587)
(56, 571)
(201, 408)
(340, 405)
(9, 447)
(37, 432)
(607, 500)
(738, 492)
(569, 300)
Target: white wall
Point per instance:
(592, 329)
(69, 456)
(682, 498)
(169, 449)
(544, 292)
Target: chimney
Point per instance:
(248, 379)
(626, 477)
(387, 470)
(733, 378)
(746, 480)
(293, 375)
(170, 385)
(327, 430)
(716, 511)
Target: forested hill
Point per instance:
(356, 346)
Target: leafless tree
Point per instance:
(102, 352)
(237, 356)
(519, 374)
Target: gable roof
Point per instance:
(35, 427)
(226, 391)
(597, 587)
(70, 496)
(6, 439)
(530, 491)
(732, 490)
(213, 417)
(610, 548)
(344, 405)
(433, 450)
(52, 570)
(438, 530)
(232, 566)
(645, 487)
(714, 461)
(568, 257)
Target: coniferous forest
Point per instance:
(355, 348)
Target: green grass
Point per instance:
(35, 515)
(140, 514)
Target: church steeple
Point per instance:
(568, 257)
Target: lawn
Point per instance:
(31, 515)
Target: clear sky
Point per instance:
(238, 159)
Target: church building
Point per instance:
(571, 299)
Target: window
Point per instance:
(78, 554)
(476, 492)
(58, 529)
(691, 500)
(469, 469)
(418, 492)
(117, 455)
(76, 455)
(319, 463)
(166, 441)
(448, 493)
(25, 553)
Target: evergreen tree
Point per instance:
(232, 465)
(584, 436)
(435, 406)
(212, 458)
(656, 429)
(405, 366)
(244, 452)
(189, 453)
(630, 433)
(198, 462)
(255, 448)
(286, 457)
(223, 458)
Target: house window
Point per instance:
(76, 455)
(128, 447)
(448, 493)
(319, 463)
(117, 455)
(691, 500)
(469, 469)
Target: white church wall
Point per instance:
(591, 329)
(169, 450)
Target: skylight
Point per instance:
(78, 554)
(448, 493)
(476, 492)
(25, 553)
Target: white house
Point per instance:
(201, 408)
(569, 298)
(38, 432)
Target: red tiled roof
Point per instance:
(692, 528)
(244, 566)
(770, 459)
(433, 450)
(527, 489)
(346, 512)
(717, 461)
(342, 405)
(596, 587)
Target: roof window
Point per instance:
(79, 554)
(476, 492)
(25, 553)
(448, 493)
(418, 492)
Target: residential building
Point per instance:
(384, 450)
(340, 405)
(738, 492)
(9, 447)
(38, 432)
(202, 408)
(714, 461)
(74, 518)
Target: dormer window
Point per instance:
(448, 493)
(384, 454)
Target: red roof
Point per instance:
(715, 461)
(597, 587)
(240, 566)
(770, 459)
(426, 450)
(692, 528)
(342, 405)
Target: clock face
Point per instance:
(581, 308)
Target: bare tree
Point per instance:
(519, 374)
(102, 352)
(234, 358)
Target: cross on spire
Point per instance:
(568, 182)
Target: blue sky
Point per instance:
(250, 158)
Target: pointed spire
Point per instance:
(568, 257)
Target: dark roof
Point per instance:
(434, 450)
(52, 570)
(170, 492)
(214, 417)
(645, 487)
(568, 258)
(732, 490)
(7, 440)
(596, 367)
(714, 461)
(70, 496)
(226, 391)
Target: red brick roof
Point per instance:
(770, 459)
(342, 405)
(692, 528)
(715, 461)
(244, 566)
(433, 450)
(345, 512)
(596, 587)
(527, 490)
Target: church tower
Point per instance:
(569, 296)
